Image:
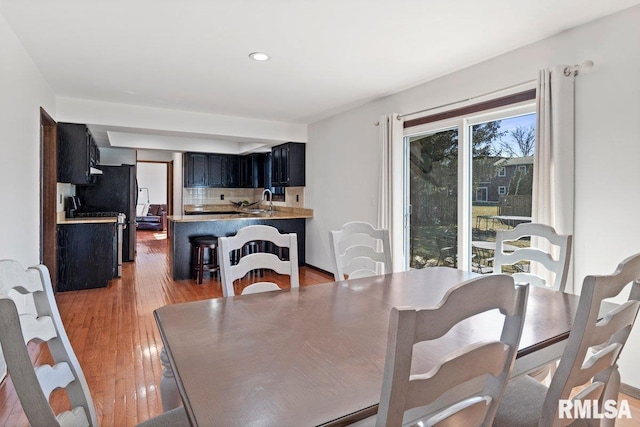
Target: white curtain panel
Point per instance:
(390, 191)
(553, 177)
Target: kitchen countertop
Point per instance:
(235, 213)
(102, 220)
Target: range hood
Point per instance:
(94, 171)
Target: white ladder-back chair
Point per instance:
(469, 382)
(229, 273)
(558, 265)
(34, 387)
(359, 250)
(39, 320)
(589, 359)
(257, 260)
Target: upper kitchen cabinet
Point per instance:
(232, 171)
(252, 169)
(78, 154)
(217, 170)
(196, 169)
(288, 165)
(223, 170)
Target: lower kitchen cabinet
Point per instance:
(87, 255)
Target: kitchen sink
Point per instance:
(210, 212)
(256, 211)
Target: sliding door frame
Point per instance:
(523, 106)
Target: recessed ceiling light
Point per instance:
(259, 56)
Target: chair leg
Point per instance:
(194, 262)
(612, 388)
(261, 248)
(200, 265)
(169, 393)
(213, 261)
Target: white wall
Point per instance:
(23, 91)
(117, 156)
(155, 155)
(178, 207)
(138, 117)
(153, 176)
(342, 151)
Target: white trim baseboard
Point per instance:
(630, 390)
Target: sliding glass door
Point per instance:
(465, 179)
(433, 198)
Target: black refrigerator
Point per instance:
(115, 191)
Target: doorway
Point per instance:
(48, 193)
(465, 178)
(155, 183)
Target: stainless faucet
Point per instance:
(270, 194)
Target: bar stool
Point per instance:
(250, 248)
(202, 261)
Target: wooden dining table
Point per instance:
(315, 355)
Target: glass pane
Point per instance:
(433, 190)
(502, 181)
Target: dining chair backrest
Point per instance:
(469, 382)
(558, 263)
(40, 322)
(606, 337)
(29, 313)
(257, 260)
(359, 250)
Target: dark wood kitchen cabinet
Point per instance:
(216, 165)
(87, 256)
(232, 171)
(223, 170)
(196, 170)
(288, 165)
(77, 154)
(252, 169)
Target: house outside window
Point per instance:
(502, 190)
(502, 171)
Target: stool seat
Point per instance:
(205, 240)
(205, 257)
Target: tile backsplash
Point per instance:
(294, 196)
(63, 191)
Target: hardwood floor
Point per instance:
(117, 342)
(115, 337)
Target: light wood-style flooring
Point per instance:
(115, 337)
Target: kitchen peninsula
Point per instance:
(227, 221)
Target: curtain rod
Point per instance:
(568, 70)
(471, 98)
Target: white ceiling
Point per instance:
(327, 55)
